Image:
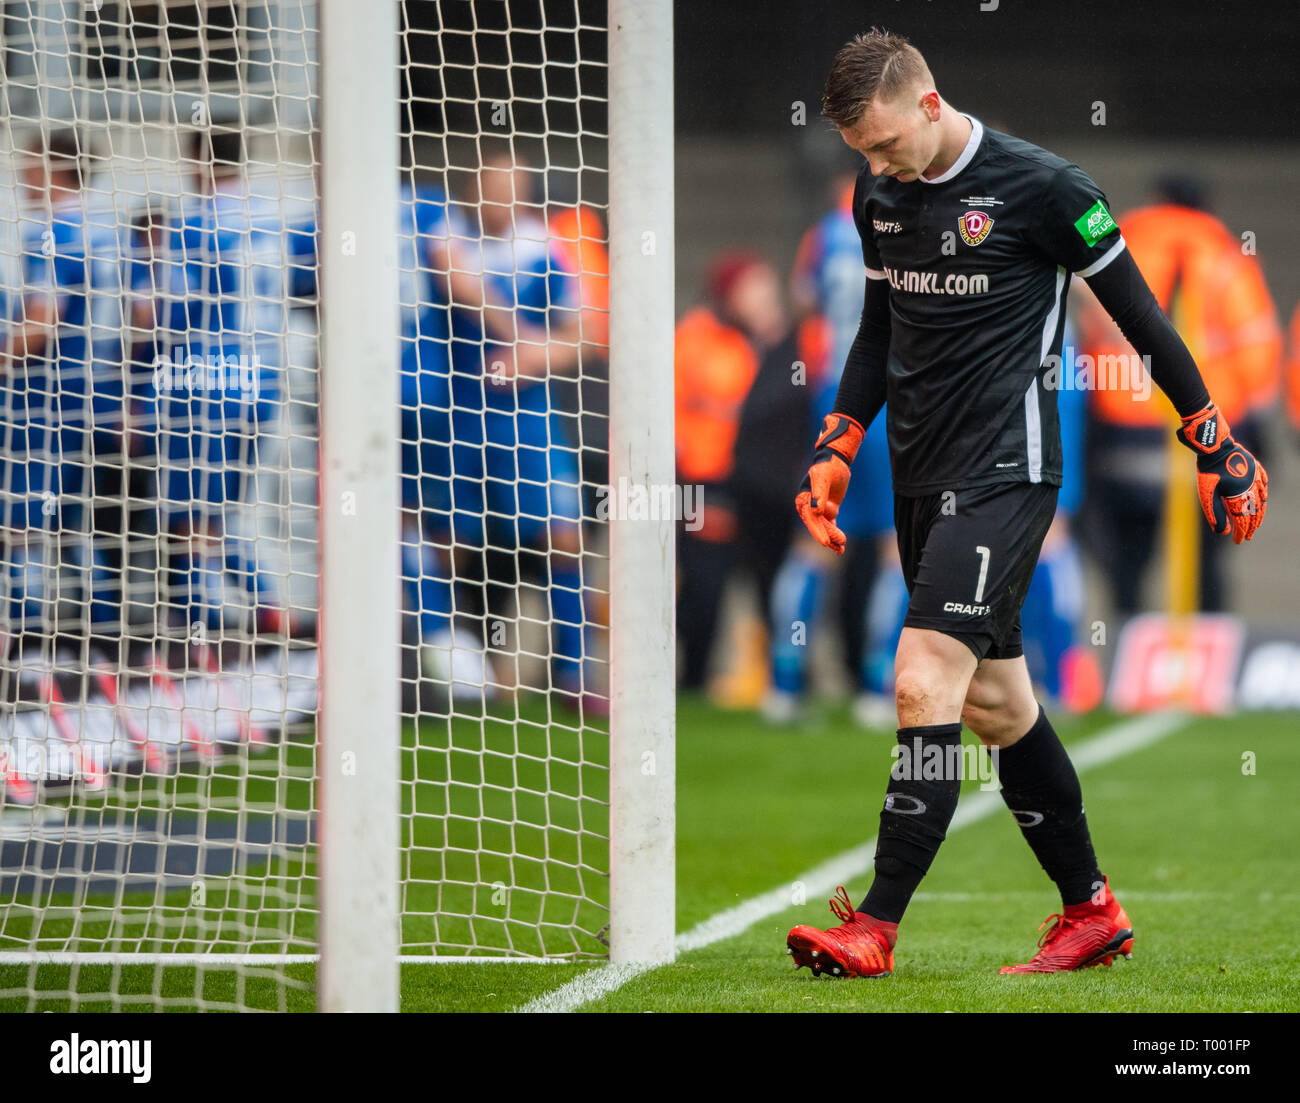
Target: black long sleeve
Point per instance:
(1122, 290)
(862, 386)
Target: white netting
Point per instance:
(158, 484)
(504, 445)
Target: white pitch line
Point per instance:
(1106, 746)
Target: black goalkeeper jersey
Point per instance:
(978, 262)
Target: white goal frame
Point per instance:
(360, 920)
(358, 764)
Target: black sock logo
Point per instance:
(911, 806)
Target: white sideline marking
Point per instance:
(1106, 746)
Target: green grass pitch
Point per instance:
(1199, 850)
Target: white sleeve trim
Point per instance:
(876, 274)
(1101, 262)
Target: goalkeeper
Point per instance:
(969, 237)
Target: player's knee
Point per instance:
(916, 694)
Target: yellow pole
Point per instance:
(1182, 538)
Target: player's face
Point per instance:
(33, 177)
(500, 187)
(898, 139)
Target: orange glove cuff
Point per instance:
(1205, 432)
(842, 435)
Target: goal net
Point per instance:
(306, 523)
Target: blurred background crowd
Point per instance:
(770, 286)
(504, 327)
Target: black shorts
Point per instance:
(968, 556)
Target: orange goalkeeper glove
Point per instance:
(1233, 485)
(822, 490)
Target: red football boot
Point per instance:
(1087, 934)
(861, 947)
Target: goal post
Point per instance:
(643, 550)
(359, 766)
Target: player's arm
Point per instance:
(1076, 231)
(860, 397)
(549, 342)
(28, 337)
(1233, 485)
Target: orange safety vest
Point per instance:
(1293, 372)
(713, 368)
(578, 236)
(1218, 301)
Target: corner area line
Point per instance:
(1116, 741)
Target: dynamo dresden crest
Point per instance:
(975, 227)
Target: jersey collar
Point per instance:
(972, 144)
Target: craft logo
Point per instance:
(975, 227)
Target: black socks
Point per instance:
(919, 803)
(1041, 788)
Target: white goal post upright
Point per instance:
(360, 736)
(642, 551)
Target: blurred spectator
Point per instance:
(1215, 294)
(716, 358)
(770, 456)
(828, 283)
(1293, 374)
(579, 238)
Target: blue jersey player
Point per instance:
(61, 398)
(515, 482)
(220, 288)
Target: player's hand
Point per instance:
(822, 490)
(1233, 485)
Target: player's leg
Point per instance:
(550, 486)
(932, 672)
(454, 508)
(886, 609)
(1052, 612)
(935, 661)
(794, 604)
(1042, 791)
(1039, 782)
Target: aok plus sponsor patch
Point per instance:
(1095, 223)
